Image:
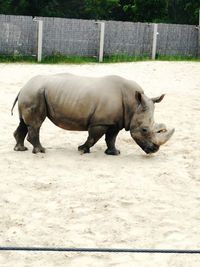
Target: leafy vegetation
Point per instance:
(169, 11)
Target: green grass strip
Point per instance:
(62, 59)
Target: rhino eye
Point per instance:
(144, 129)
(162, 131)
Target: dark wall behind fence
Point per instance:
(18, 35)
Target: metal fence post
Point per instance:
(154, 46)
(101, 45)
(39, 41)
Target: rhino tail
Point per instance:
(14, 104)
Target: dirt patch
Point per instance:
(62, 198)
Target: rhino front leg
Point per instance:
(110, 141)
(20, 134)
(95, 133)
(33, 138)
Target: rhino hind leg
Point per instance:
(34, 113)
(20, 134)
(95, 133)
(110, 141)
(33, 138)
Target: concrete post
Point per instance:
(154, 46)
(101, 45)
(40, 36)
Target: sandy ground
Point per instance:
(62, 198)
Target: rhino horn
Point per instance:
(162, 134)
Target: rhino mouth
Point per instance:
(151, 149)
(148, 148)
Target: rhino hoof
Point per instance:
(20, 148)
(38, 149)
(114, 152)
(83, 149)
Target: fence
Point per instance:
(18, 35)
(24, 36)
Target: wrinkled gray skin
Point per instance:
(100, 106)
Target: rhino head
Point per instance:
(146, 133)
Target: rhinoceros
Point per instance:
(99, 105)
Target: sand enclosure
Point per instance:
(62, 198)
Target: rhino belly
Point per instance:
(68, 114)
(68, 123)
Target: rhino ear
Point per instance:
(140, 99)
(158, 99)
